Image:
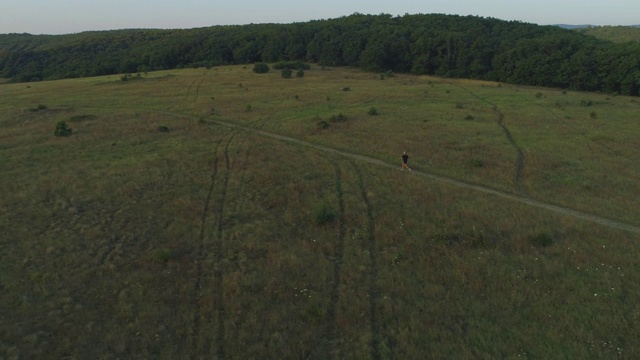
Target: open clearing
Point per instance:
(247, 230)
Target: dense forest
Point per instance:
(442, 45)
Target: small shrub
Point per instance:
(593, 115)
(459, 106)
(390, 73)
(539, 95)
(260, 68)
(162, 256)
(476, 163)
(163, 129)
(315, 313)
(62, 129)
(248, 108)
(373, 111)
(324, 214)
(300, 73)
(542, 240)
(286, 73)
(339, 117)
(40, 107)
(469, 117)
(586, 103)
(346, 89)
(323, 124)
(82, 117)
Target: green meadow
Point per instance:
(220, 213)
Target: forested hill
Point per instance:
(442, 45)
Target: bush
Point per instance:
(300, 73)
(82, 117)
(339, 117)
(324, 214)
(286, 73)
(40, 107)
(477, 163)
(542, 240)
(260, 68)
(323, 124)
(163, 256)
(373, 111)
(62, 129)
(163, 129)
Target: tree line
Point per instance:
(432, 44)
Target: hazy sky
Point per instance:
(70, 16)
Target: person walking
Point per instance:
(405, 158)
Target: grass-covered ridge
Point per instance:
(152, 231)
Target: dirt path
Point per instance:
(443, 179)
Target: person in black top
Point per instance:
(405, 158)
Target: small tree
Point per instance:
(260, 68)
(62, 129)
(300, 73)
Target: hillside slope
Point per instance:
(442, 45)
(226, 214)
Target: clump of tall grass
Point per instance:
(324, 214)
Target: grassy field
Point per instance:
(296, 236)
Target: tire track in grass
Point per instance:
(218, 247)
(186, 96)
(374, 294)
(330, 331)
(237, 208)
(518, 179)
(197, 286)
(197, 90)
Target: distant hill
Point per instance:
(572, 27)
(428, 44)
(617, 34)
